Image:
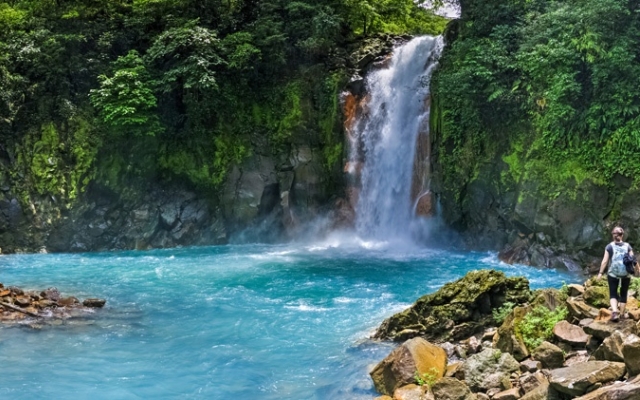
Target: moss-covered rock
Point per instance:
(597, 296)
(508, 339)
(458, 309)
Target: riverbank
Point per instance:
(487, 336)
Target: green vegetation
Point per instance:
(541, 83)
(120, 93)
(537, 325)
(501, 313)
(428, 378)
(635, 285)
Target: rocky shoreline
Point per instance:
(487, 336)
(37, 308)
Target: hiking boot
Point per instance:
(615, 317)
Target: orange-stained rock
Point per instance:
(401, 365)
(411, 392)
(424, 208)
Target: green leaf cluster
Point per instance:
(551, 86)
(537, 325)
(125, 92)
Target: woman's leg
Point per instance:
(624, 289)
(613, 293)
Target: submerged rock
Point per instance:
(457, 310)
(94, 303)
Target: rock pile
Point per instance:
(19, 306)
(586, 357)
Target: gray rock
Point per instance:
(530, 365)
(449, 348)
(489, 369)
(617, 391)
(529, 382)
(611, 348)
(579, 379)
(451, 389)
(509, 394)
(603, 330)
(570, 333)
(579, 309)
(576, 357)
(550, 355)
(631, 354)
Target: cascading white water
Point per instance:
(397, 110)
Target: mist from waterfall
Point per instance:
(397, 111)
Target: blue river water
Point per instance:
(231, 322)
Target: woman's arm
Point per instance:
(603, 264)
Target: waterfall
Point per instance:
(396, 116)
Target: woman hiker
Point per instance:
(617, 275)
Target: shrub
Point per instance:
(427, 378)
(537, 325)
(501, 313)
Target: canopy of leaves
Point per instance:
(552, 83)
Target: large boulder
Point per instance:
(550, 355)
(451, 389)
(508, 339)
(631, 354)
(399, 368)
(569, 333)
(458, 309)
(579, 379)
(489, 369)
(617, 391)
(579, 309)
(603, 330)
(611, 348)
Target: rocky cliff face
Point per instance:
(502, 210)
(270, 196)
(266, 198)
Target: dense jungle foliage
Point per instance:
(550, 87)
(122, 91)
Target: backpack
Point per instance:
(629, 262)
(617, 269)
